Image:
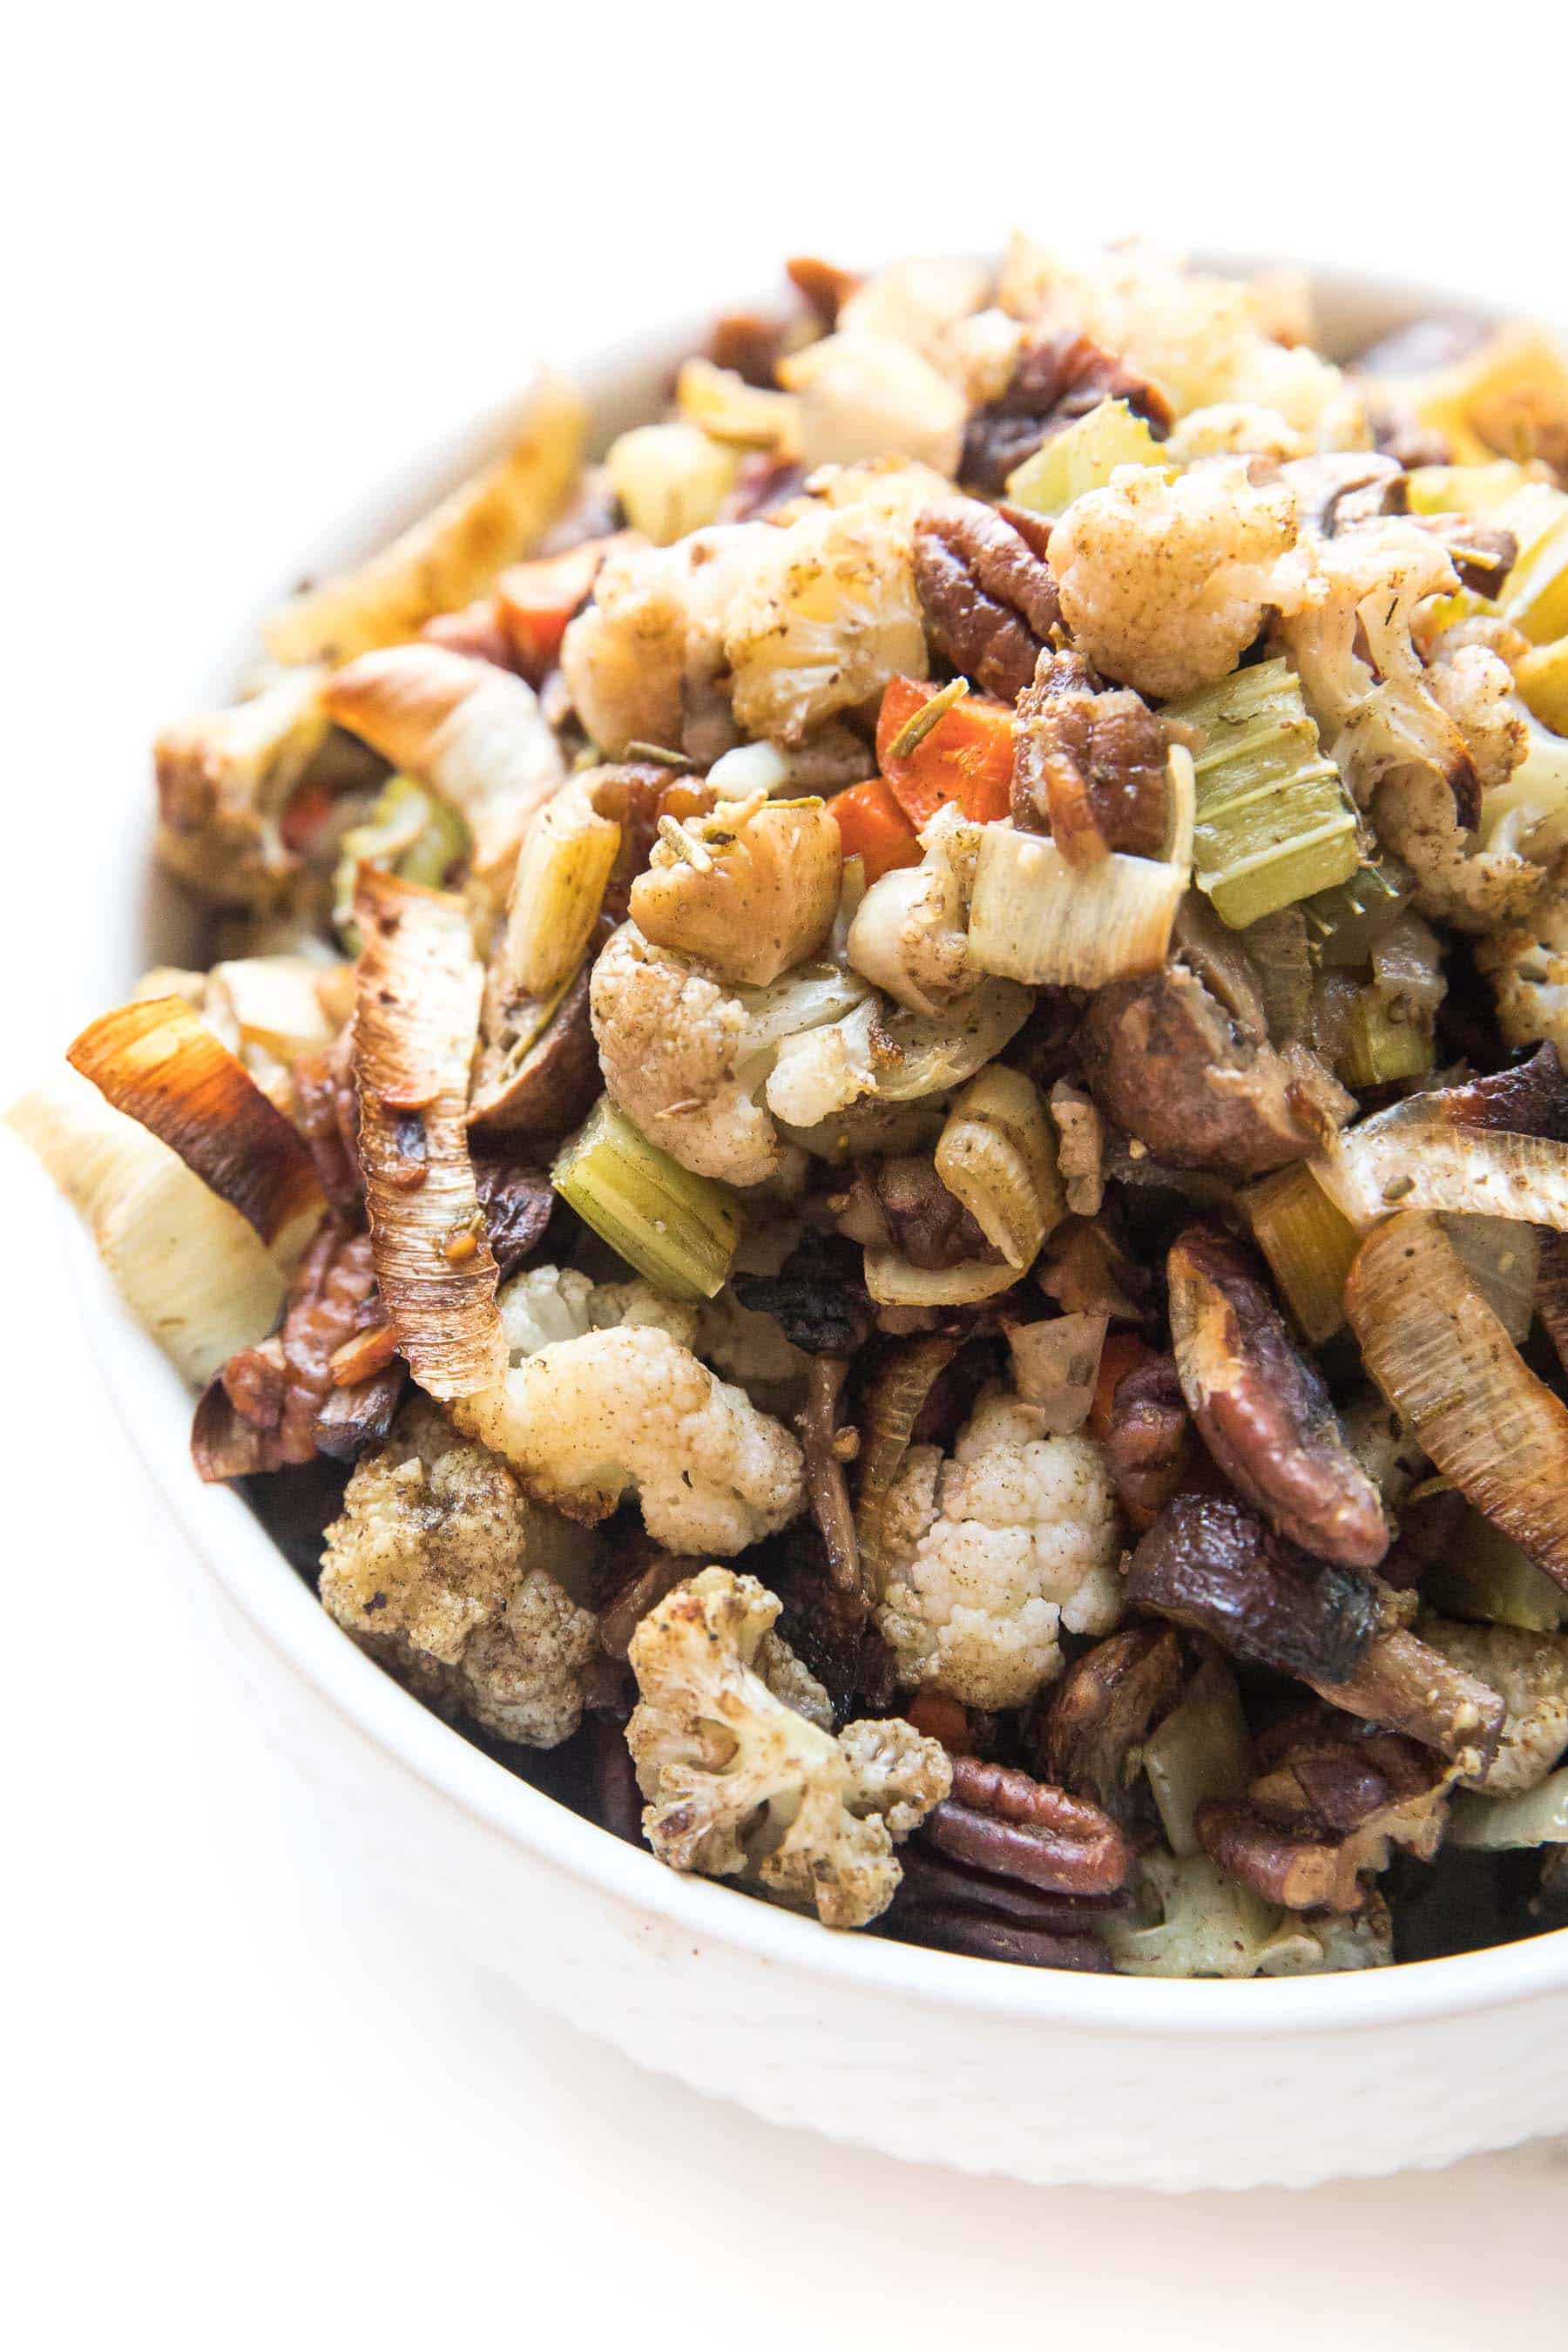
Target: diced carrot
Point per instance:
(942, 1718)
(968, 756)
(304, 817)
(536, 600)
(873, 826)
(1122, 1354)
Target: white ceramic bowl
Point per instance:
(1050, 2077)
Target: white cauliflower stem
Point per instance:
(585, 1421)
(440, 1568)
(996, 1549)
(741, 1785)
(1164, 583)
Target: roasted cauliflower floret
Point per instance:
(862, 396)
(586, 1421)
(825, 615)
(746, 891)
(443, 1570)
(1164, 583)
(670, 1040)
(911, 932)
(1530, 1673)
(1527, 963)
(994, 1549)
(651, 640)
(738, 1784)
(546, 1303)
(223, 781)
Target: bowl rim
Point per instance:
(153, 1406)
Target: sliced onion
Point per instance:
(1445, 1363)
(1414, 1155)
(892, 1281)
(156, 1060)
(415, 1028)
(1504, 1260)
(1037, 918)
(893, 1403)
(929, 1056)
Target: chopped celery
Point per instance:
(411, 832)
(1485, 1575)
(1202, 1749)
(1274, 824)
(1542, 680)
(1380, 1043)
(680, 1230)
(1082, 456)
(1310, 1246)
(1463, 489)
(1343, 923)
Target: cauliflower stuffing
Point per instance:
(996, 1549)
(442, 1569)
(738, 1784)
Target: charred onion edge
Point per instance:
(893, 1403)
(158, 1062)
(1445, 1362)
(415, 1027)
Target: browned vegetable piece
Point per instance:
(158, 1062)
(1262, 1408)
(989, 599)
(1088, 763)
(1404, 1683)
(355, 1418)
(326, 1109)
(415, 1025)
(629, 1603)
(1325, 1816)
(1199, 1087)
(518, 1202)
(1552, 1292)
(1053, 382)
(1215, 1567)
(1528, 1098)
(827, 1448)
(1001, 1820)
(1338, 489)
(553, 1083)
(1104, 1708)
(895, 1398)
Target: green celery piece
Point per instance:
(1080, 457)
(1378, 1048)
(678, 1229)
(1274, 824)
(1488, 1576)
(411, 832)
(1343, 923)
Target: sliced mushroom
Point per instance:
(1215, 1567)
(1337, 488)
(1262, 1408)
(1410, 1687)
(1148, 1445)
(1099, 1714)
(552, 1082)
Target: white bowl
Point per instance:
(1050, 2077)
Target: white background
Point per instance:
(255, 256)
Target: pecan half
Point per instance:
(1148, 1444)
(1101, 1711)
(261, 1412)
(1001, 1820)
(1088, 763)
(326, 1111)
(1262, 1408)
(1215, 1567)
(1053, 382)
(989, 598)
(950, 1908)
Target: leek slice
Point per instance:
(411, 832)
(671, 478)
(1543, 681)
(680, 1230)
(1463, 490)
(1309, 1245)
(998, 1156)
(1202, 1749)
(563, 869)
(1486, 1576)
(1344, 922)
(1080, 457)
(1504, 1825)
(1380, 1044)
(1274, 821)
(1036, 917)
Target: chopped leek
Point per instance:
(567, 856)
(1343, 923)
(680, 1230)
(1308, 1244)
(998, 1157)
(1485, 1575)
(1503, 1256)
(1381, 1043)
(411, 832)
(727, 409)
(1463, 489)
(1502, 1824)
(1274, 822)
(669, 478)
(1202, 1749)
(1080, 457)
(1036, 917)
(1543, 681)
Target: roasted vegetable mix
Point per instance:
(876, 1094)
